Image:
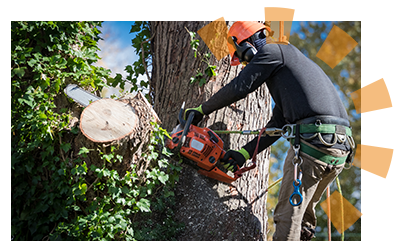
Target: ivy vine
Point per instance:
(201, 77)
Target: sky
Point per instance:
(116, 50)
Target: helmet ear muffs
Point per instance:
(244, 51)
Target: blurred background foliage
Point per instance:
(346, 77)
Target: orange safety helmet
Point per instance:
(242, 30)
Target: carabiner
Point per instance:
(273, 131)
(296, 192)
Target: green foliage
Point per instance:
(194, 43)
(44, 56)
(124, 199)
(201, 77)
(56, 193)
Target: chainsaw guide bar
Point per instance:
(80, 95)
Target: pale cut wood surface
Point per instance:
(107, 120)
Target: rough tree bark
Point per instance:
(210, 210)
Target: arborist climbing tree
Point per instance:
(307, 108)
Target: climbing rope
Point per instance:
(341, 210)
(341, 205)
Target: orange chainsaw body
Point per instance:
(205, 148)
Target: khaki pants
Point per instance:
(317, 176)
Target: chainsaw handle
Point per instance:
(186, 130)
(180, 116)
(223, 155)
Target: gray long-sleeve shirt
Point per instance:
(298, 86)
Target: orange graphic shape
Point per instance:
(375, 160)
(371, 97)
(281, 23)
(215, 35)
(350, 213)
(281, 31)
(336, 46)
(357, 156)
(278, 14)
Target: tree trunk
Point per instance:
(211, 210)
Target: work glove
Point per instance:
(235, 159)
(198, 114)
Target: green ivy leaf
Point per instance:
(143, 205)
(83, 150)
(20, 72)
(163, 178)
(120, 158)
(202, 82)
(66, 147)
(210, 71)
(108, 157)
(83, 188)
(32, 62)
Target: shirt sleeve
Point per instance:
(262, 66)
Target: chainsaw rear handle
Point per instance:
(239, 172)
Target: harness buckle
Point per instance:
(289, 129)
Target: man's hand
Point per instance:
(198, 114)
(235, 159)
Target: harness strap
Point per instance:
(322, 156)
(324, 129)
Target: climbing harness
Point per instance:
(340, 134)
(293, 133)
(310, 128)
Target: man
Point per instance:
(303, 95)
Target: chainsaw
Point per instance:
(203, 147)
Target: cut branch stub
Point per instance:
(108, 120)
